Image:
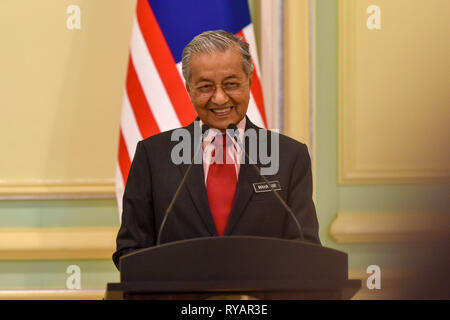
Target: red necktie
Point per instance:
(221, 186)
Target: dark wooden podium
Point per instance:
(221, 267)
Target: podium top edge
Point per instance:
(225, 238)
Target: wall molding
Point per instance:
(57, 243)
(57, 188)
(53, 294)
(376, 227)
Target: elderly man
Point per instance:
(219, 198)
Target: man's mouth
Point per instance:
(221, 111)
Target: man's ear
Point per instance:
(188, 89)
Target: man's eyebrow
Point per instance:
(233, 76)
(203, 80)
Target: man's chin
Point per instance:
(221, 125)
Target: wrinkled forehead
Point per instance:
(225, 62)
(217, 51)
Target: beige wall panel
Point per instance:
(394, 97)
(270, 55)
(297, 70)
(62, 93)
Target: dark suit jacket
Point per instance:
(154, 178)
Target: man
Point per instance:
(219, 197)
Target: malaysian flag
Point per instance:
(155, 98)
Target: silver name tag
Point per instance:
(264, 187)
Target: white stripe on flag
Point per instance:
(253, 113)
(130, 130)
(180, 70)
(249, 35)
(151, 83)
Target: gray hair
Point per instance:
(213, 41)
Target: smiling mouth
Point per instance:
(220, 112)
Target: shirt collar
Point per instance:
(212, 132)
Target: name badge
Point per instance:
(264, 187)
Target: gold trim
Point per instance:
(81, 294)
(375, 227)
(57, 243)
(57, 187)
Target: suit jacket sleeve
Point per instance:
(137, 230)
(300, 199)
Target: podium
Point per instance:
(220, 267)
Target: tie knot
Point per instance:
(221, 140)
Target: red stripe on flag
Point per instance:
(124, 159)
(256, 87)
(141, 109)
(165, 63)
(258, 96)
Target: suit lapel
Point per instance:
(244, 190)
(195, 184)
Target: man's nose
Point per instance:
(219, 96)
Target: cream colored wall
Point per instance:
(298, 76)
(61, 94)
(297, 68)
(394, 107)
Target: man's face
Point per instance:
(219, 88)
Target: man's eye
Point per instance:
(231, 85)
(206, 88)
